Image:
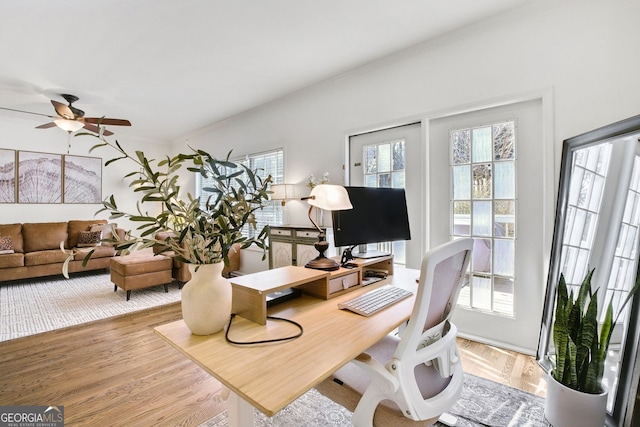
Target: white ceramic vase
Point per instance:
(566, 407)
(206, 299)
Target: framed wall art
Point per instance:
(82, 179)
(39, 177)
(7, 176)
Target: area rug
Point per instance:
(482, 403)
(29, 307)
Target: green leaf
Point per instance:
(207, 233)
(561, 331)
(580, 350)
(108, 162)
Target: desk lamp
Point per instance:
(331, 198)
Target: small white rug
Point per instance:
(30, 307)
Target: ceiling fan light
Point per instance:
(69, 125)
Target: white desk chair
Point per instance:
(417, 376)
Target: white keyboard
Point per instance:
(375, 300)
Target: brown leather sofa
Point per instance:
(35, 248)
(180, 271)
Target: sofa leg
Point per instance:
(115, 288)
(128, 295)
(166, 288)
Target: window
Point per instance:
(385, 167)
(266, 163)
(483, 207)
(590, 167)
(624, 268)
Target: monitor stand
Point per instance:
(277, 297)
(370, 254)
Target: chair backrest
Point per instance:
(442, 273)
(421, 372)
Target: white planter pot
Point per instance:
(565, 407)
(206, 299)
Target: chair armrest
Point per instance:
(442, 353)
(378, 373)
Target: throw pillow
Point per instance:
(106, 229)
(5, 245)
(89, 238)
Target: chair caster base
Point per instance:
(448, 419)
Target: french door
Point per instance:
(391, 158)
(485, 178)
(503, 209)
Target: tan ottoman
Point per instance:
(138, 272)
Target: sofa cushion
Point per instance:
(99, 252)
(43, 236)
(11, 260)
(76, 226)
(15, 232)
(52, 256)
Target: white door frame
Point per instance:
(549, 185)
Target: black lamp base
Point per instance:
(322, 263)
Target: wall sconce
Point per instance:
(331, 198)
(282, 192)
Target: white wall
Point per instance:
(19, 134)
(580, 49)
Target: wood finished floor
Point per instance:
(118, 372)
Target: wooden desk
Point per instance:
(271, 376)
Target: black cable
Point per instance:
(299, 334)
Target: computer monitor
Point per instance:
(378, 215)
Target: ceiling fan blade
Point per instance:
(28, 112)
(46, 126)
(96, 129)
(63, 110)
(107, 121)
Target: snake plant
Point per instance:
(580, 350)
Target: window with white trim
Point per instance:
(265, 164)
(483, 206)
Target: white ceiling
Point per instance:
(173, 67)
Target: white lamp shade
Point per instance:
(330, 197)
(69, 125)
(282, 191)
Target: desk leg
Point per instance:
(240, 412)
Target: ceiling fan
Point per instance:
(72, 119)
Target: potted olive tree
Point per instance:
(200, 234)
(575, 395)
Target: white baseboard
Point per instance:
(506, 346)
